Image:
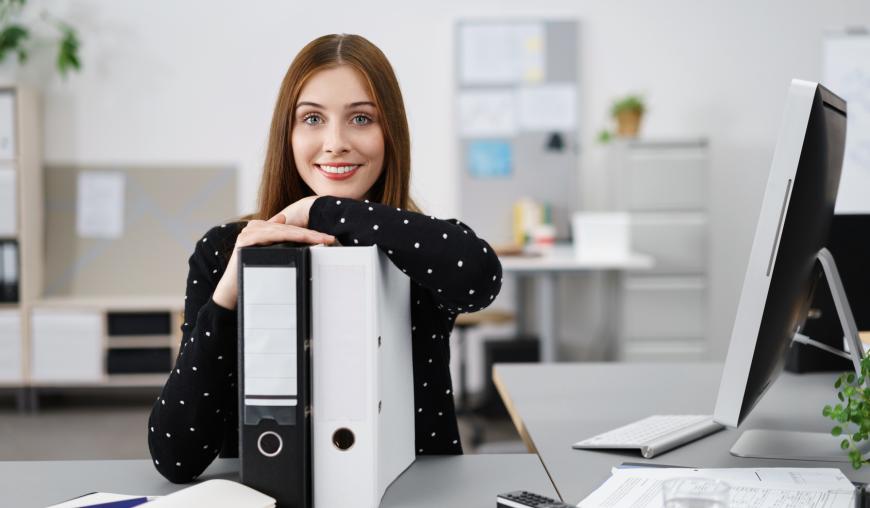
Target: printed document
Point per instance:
(750, 488)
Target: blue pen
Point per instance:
(127, 503)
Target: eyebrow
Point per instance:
(349, 106)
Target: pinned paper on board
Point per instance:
(547, 107)
(501, 53)
(487, 113)
(100, 204)
(489, 159)
(847, 74)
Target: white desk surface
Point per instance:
(468, 481)
(561, 258)
(554, 406)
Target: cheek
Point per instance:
(303, 147)
(372, 144)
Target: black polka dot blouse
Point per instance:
(451, 270)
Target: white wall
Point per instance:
(195, 81)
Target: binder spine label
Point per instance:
(270, 370)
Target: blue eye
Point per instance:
(361, 120)
(312, 119)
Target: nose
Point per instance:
(335, 141)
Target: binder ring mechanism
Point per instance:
(343, 439)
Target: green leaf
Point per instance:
(836, 431)
(826, 411)
(838, 383)
(840, 396)
(850, 377)
(11, 40)
(67, 54)
(844, 444)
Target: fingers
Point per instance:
(268, 232)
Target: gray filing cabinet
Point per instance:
(663, 185)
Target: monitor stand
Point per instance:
(812, 446)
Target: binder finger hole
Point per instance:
(343, 439)
(270, 443)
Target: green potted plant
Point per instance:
(16, 37)
(852, 412)
(628, 113)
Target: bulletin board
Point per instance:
(517, 116)
(164, 211)
(846, 72)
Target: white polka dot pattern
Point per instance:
(202, 397)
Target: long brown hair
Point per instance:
(281, 184)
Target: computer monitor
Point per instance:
(786, 262)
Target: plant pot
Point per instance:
(628, 123)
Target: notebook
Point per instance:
(211, 493)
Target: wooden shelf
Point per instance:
(161, 341)
(110, 380)
(115, 304)
(135, 380)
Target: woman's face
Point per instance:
(337, 142)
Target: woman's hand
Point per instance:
(295, 214)
(258, 232)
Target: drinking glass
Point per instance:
(695, 493)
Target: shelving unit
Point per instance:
(94, 312)
(663, 186)
(96, 341)
(110, 310)
(21, 166)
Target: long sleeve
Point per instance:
(187, 422)
(445, 257)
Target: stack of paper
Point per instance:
(750, 488)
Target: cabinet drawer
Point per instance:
(653, 178)
(67, 345)
(663, 308)
(677, 241)
(8, 201)
(10, 346)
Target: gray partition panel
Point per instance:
(166, 210)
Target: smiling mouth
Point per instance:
(338, 170)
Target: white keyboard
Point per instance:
(654, 435)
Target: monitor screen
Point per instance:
(793, 226)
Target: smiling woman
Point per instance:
(337, 170)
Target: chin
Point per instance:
(338, 192)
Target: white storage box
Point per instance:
(67, 346)
(601, 235)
